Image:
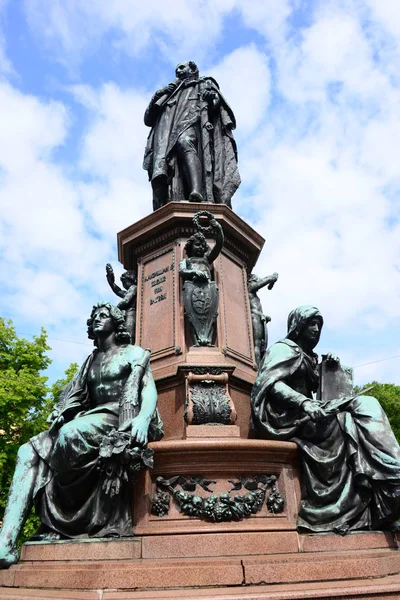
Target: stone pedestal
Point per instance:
(156, 245)
(221, 463)
(261, 557)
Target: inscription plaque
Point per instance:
(157, 306)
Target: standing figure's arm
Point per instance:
(157, 101)
(111, 282)
(260, 282)
(187, 272)
(219, 241)
(129, 298)
(184, 271)
(211, 96)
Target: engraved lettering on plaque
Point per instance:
(157, 327)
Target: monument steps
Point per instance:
(203, 545)
(385, 588)
(326, 568)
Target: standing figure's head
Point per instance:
(187, 70)
(196, 245)
(106, 319)
(128, 278)
(305, 325)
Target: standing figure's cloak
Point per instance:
(184, 109)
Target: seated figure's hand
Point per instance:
(314, 410)
(53, 416)
(57, 424)
(139, 429)
(332, 359)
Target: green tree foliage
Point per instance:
(23, 391)
(388, 395)
(52, 398)
(25, 399)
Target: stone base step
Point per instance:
(208, 545)
(386, 588)
(145, 574)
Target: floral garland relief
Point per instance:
(217, 507)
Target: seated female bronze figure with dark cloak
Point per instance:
(70, 472)
(350, 456)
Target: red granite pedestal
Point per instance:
(258, 557)
(156, 245)
(261, 557)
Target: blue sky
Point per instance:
(316, 92)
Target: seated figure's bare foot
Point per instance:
(341, 529)
(52, 536)
(8, 556)
(395, 530)
(47, 536)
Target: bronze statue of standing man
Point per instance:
(190, 152)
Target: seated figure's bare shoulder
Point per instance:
(133, 353)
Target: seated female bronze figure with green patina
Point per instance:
(75, 473)
(350, 456)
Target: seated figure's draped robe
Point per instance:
(68, 496)
(350, 461)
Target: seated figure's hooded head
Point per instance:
(298, 318)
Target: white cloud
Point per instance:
(112, 153)
(245, 81)
(50, 260)
(6, 67)
(318, 126)
(386, 13)
(320, 168)
(181, 27)
(114, 142)
(30, 128)
(268, 17)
